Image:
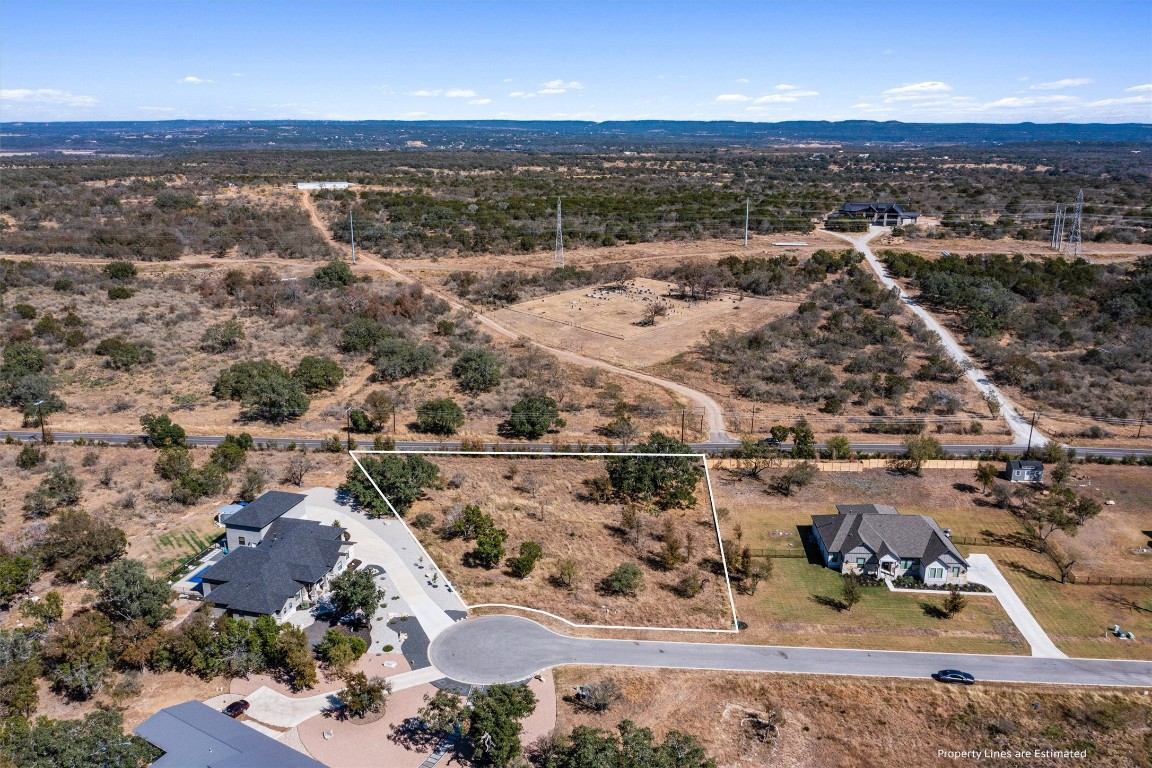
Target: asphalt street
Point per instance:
(493, 649)
(119, 438)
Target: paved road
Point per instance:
(492, 649)
(1019, 425)
(120, 438)
(982, 570)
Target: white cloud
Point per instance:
(728, 98)
(520, 95)
(786, 87)
(46, 96)
(786, 97)
(562, 86)
(742, 80)
(480, 101)
(1138, 88)
(237, 74)
(410, 115)
(1055, 85)
(914, 91)
(1144, 98)
(156, 109)
(193, 80)
(460, 93)
(549, 91)
(506, 80)
(1015, 102)
(426, 92)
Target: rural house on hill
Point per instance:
(876, 540)
(879, 214)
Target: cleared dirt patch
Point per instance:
(545, 500)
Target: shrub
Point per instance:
(400, 358)
(358, 421)
(362, 695)
(123, 355)
(476, 370)
(665, 481)
(120, 270)
(237, 381)
(162, 431)
(522, 566)
(24, 311)
(339, 651)
(77, 542)
(402, 479)
(627, 580)
(532, 416)
(275, 400)
(362, 334)
(424, 521)
(31, 456)
(439, 417)
(221, 337)
(334, 274)
(120, 292)
(316, 374)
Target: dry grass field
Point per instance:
(1074, 615)
(607, 323)
(543, 500)
(829, 722)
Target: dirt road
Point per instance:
(1016, 422)
(713, 413)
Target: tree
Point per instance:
(954, 603)
(76, 655)
(120, 270)
(919, 449)
(362, 695)
(838, 447)
(666, 482)
(780, 432)
(522, 566)
(402, 479)
(221, 337)
(986, 474)
(1062, 471)
(671, 555)
(31, 456)
(237, 381)
(1058, 558)
(298, 466)
(121, 355)
(162, 431)
(627, 579)
(532, 416)
(255, 480)
(339, 651)
(567, 574)
(59, 489)
(318, 374)
(796, 477)
(49, 609)
(19, 688)
(621, 428)
(360, 422)
(294, 659)
(379, 406)
(476, 370)
(494, 722)
(77, 542)
(803, 441)
(334, 274)
(94, 742)
(18, 572)
(630, 746)
(442, 712)
(125, 592)
(439, 417)
(275, 400)
(489, 549)
(355, 592)
(397, 359)
(229, 456)
(850, 592)
(1062, 509)
(601, 696)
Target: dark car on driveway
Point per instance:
(236, 708)
(954, 676)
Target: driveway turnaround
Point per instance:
(496, 649)
(982, 570)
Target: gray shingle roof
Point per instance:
(1016, 464)
(901, 536)
(194, 735)
(864, 509)
(265, 509)
(260, 579)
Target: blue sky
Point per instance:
(916, 60)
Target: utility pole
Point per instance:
(352, 230)
(558, 257)
(1076, 237)
(348, 426)
(753, 430)
(1028, 452)
(683, 416)
(747, 211)
(40, 417)
(1140, 426)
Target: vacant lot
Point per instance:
(608, 322)
(827, 722)
(1075, 616)
(544, 500)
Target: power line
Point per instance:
(1075, 238)
(558, 257)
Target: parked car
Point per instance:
(236, 708)
(954, 676)
(771, 442)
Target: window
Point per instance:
(241, 541)
(861, 560)
(955, 570)
(935, 573)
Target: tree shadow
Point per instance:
(1029, 572)
(1125, 602)
(413, 734)
(934, 611)
(830, 602)
(965, 488)
(1015, 539)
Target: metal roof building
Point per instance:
(194, 735)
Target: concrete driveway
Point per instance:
(493, 649)
(982, 570)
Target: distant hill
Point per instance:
(527, 136)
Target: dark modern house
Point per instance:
(876, 540)
(194, 735)
(879, 214)
(275, 561)
(1025, 471)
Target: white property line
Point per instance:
(711, 503)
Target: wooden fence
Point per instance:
(852, 466)
(1111, 581)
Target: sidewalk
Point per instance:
(982, 570)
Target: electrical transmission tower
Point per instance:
(1075, 237)
(558, 259)
(1058, 227)
(747, 210)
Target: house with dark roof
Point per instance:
(879, 214)
(193, 735)
(876, 540)
(275, 561)
(1025, 471)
